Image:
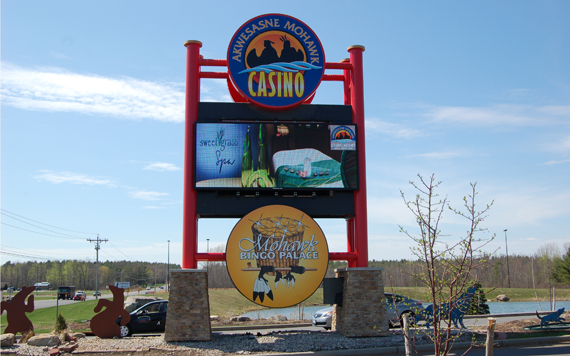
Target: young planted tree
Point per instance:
(561, 268)
(447, 264)
(479, 301)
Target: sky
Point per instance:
(92, 119)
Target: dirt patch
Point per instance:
(79, 326)
(514, 328)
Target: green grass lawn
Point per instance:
(229, 302)
(44, 319)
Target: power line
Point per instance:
(23, 217)
(116, 248)
(43, 228)
(19, 250)
(41, 233)
(17, 254)
(111, 257)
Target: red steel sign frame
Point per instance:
(353, 80)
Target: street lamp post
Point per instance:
(507, 253)
(168, 275)
(208, 262)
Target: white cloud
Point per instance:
(501, 115)
(161, 166)
(146, 195)
(439, 155)
(388, 211)
(530, 208)
(74, 178)
(550, 163)
(54, 89)
(396, 130)
(58, 55)
(559, 146)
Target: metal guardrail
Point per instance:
(507, 315)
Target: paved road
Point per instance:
(39, 304)
(562, 349)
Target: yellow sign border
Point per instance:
(284, 264)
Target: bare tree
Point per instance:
(447, 265)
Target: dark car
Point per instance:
(149, 317)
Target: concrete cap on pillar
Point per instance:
(192, 42)
(355, 47)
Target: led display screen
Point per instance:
(276, 156)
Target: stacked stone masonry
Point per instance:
(363, 311)
(188, 317)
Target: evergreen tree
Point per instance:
(60, 324)
(561, 269)
(479, 301)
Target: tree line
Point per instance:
(81, 274)
(537, 271)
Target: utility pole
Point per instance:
(507, 252)
(168, 274)
(97, 247)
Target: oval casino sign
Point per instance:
(275, 61)
(277, 256)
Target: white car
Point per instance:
(403, 305)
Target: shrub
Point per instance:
(60, 324)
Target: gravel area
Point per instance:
(235, 344)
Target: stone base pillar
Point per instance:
(363, 311)
(188, 317)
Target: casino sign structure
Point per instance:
(276, 161)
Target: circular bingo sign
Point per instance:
(277, 256)
(275, 61)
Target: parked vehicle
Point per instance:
(397, 306)
(97, 293)
(80, 295)
(323, 317)
(149, 317)
(66, 292)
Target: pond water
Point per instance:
(495, 308)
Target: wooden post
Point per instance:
(407, 340)
(490, 336)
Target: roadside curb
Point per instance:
(399, 350)
(256, 327)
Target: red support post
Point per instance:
(190, 218)
(357, 101)
(351, 241)
(346, 82)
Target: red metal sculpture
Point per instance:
(105, 324)
(16, 310)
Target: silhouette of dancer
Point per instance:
(290, 54)
(105, 324)
(268, 55)
(16, 310)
